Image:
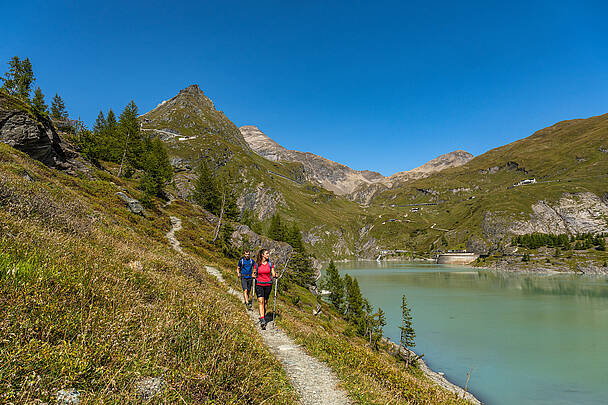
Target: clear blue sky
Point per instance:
(375, 85)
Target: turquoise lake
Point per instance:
(526, 339)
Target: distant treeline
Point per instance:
(563, 241)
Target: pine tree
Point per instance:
(58, 111)
(19, 78)
(101, 124)
(38, 101)
(407, 330)
(376, 323)
(335, 285)
(301, 271)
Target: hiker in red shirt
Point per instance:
(263, 274)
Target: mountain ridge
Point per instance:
(337, 177)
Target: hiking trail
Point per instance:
(314, 381)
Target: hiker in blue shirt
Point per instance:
(244, 270)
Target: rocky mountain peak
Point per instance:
(190, 115)
(442, 162)
(262, 144)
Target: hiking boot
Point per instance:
(249, 306)
(263, 323)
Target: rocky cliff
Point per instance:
(34, 134)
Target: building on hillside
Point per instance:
(525, 182)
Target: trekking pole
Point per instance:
(276, 287)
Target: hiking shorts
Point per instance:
(263, 291)
(246, 283)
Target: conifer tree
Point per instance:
(19, 78)
(128, 128)
(101, 124)
(205, 190)
(335, 285)
(294, 237)
(276, 230)
(301, 270)
(38, 101)
(407, 330)
(354, 300)
(58, 111)
(376, 323)
(157, 169)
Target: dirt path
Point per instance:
(315, 382)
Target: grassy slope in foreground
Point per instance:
(93, 298)
(568, 157)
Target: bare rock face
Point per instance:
(33, 134)
(261, 200)
(330, 175)
(571, 214)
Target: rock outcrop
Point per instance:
(246, 238)
(571, 214)
(33, 134)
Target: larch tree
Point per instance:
(58, 110)
(19, 78)
(38, 101)
(407, 329)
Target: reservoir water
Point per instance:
(525, 339)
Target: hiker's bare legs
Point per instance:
(262, 307)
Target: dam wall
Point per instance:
(456, 258)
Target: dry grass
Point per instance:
(93, 298)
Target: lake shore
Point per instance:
(436, 377)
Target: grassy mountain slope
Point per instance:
(264, 186)
(477, 201)
(93, 297)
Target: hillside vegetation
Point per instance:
(94, 299)
(479, 202)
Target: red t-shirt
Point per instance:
(264, 273)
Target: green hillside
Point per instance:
(264, 186)
(567, 158)
(93, 298)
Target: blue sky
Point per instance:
(379, 85)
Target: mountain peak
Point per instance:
(445, 161)
(261, 143)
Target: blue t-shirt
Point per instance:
(246, 266)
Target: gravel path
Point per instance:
(315, 382)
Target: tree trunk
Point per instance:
(124, 154)
(219, 222)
